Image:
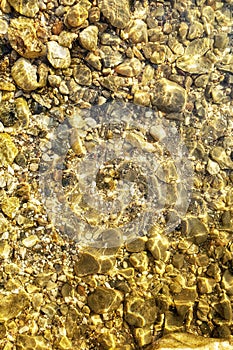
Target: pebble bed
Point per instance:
(170, 284)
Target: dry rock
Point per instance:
(22, 34)
(77, 14)
(26, 75)
(58, 56)
(137, 31)
(26, 8)
(8, 150)
(116, 12)
(10, 206)
(130, 67)
(89, 37)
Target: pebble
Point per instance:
(116, 12)
(58, 56)
(169, 96)
(137, 31)
(22, 34)
(195, 230)
(8, 150)
(89, 37)
(104, 300)
(227, 282)
(28, 9)
(140, 312)
(212, 167)
(66, 39)
(82, 75)
(5, 249)
(77, 15)
(26, 74)
(10, 206)
(218, 154)
(30, 241)
(12, 305)
(129, 68)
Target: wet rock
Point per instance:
(195, 230)
(104, 300)
(143, 336)
(8, 150)
(112, 82)
(203, 309)
(139, 261)
(10, 206)
(26, 75)
(12, 305)
(22, 34)
(218, 154)
(188, 341)
(64, 343)
(173, 322)
(116, 12)
(94, 61)
(221, 41)
(140, 312)
(26, 8)
(129, 68)
(93, 262)
(77, 14)
(223, 307)
(137, 31)
(5, 249)
(110, 57)
(23, 111)
(142, 98)
(136, 245)
(89, 37)
(58, 56)
(227, 221)
(205, 285)
(7, 114)
(227, 282)
(37, 342)
(158, 246)
(193, 60)
(3, 223)
(169, 96)
(86, 265)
